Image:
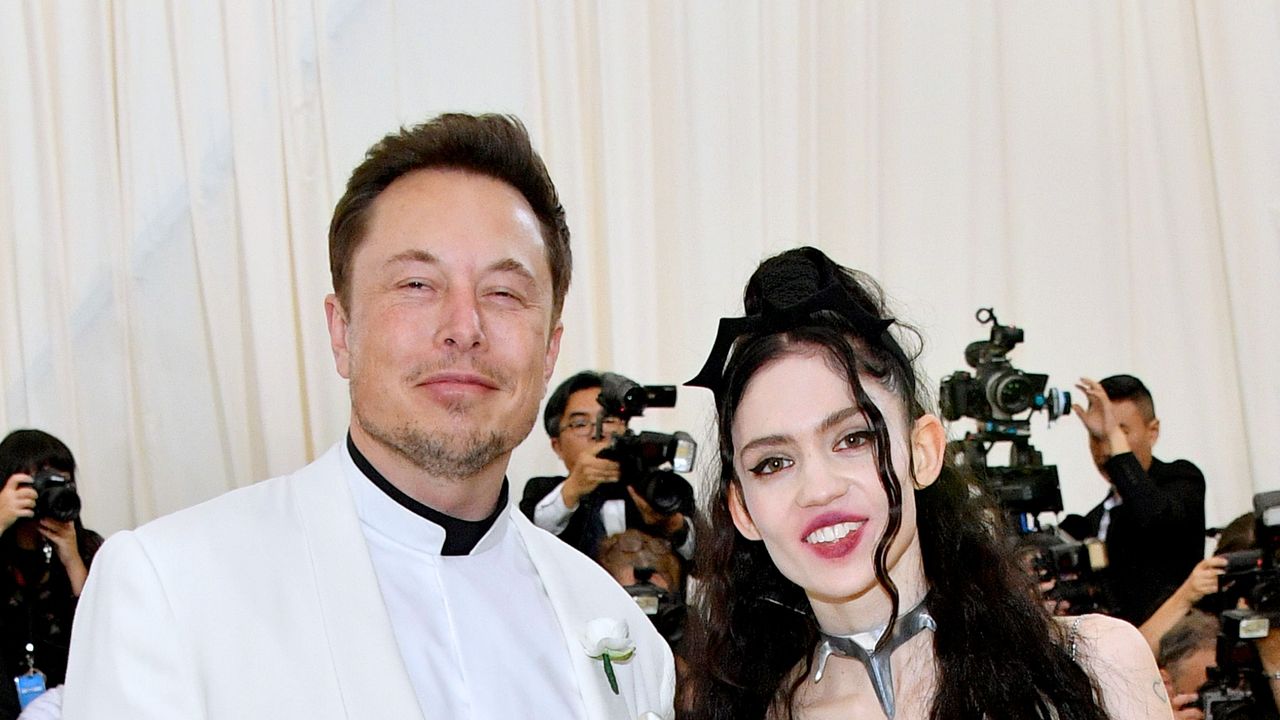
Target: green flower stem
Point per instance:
(608, 672)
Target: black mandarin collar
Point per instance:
(460, 536)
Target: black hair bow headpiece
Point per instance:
(794, 286)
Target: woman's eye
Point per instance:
(415, 284)
(770, 465)
(858, 439)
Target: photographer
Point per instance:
(1152, 520)
(587, 505)
(1246, 583)
(650, 571)
(45, 552)
(1183, 655)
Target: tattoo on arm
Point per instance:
(1157, 687)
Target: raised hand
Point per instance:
(17, 500)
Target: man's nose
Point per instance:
(460, 323)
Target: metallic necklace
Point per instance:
(861, 646)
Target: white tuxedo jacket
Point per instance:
(263, 603)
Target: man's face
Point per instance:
(577, 425)
(1140, 432)
(1189, 673)
(448, 341)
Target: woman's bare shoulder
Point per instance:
(1119, 659)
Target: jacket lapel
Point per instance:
(572, 601)
(366, 658)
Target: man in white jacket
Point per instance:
(391, 578)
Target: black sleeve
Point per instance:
(536, 489)
(1177, 501)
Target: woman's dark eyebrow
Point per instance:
(827, 423)
(766, 441)
(838, 417)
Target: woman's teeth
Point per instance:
(832, 533)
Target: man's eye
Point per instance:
(770, 465)
(505, 295)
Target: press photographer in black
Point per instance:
(45, 552)
(590, 503)
(1152, 520)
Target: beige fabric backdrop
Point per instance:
(1106, 174)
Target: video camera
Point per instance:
(56, 495)
(1002, 399)
(649, 461)
(994, 395)
(1252, 576)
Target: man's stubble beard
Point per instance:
(449, 455)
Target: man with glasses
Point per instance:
(589, 504)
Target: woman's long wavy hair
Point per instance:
(999, 655)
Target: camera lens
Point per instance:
(1011, 392)
(64, 503)
(667, 492)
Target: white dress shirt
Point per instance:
(477, 632)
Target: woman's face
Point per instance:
(803, 453)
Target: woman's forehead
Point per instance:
(798, 391)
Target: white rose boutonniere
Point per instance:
(608, 640)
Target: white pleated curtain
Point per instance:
(1105, 174)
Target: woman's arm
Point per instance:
(1121, 662)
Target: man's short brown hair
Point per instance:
(496, 146)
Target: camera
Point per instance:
(1236, 688)
(648, 461)
(666, 610)
(1075, 569)
(994, 395)
(997, 391)
(56, 495)
(1002, 399)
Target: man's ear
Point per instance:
(1153, 428)
(336, 318)
(555, 447)
(741, 516)
(928, 450)
(553, 352)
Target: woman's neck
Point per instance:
(870, 611)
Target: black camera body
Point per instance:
(56, 495)
(1236, 686)
(666, 610)
(997, 391)
(1075, 569)
(649, 461)
(994, 395)
(643, 459)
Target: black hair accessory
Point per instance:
(794, 286)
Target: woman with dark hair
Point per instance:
(45, 553)
(849, 570)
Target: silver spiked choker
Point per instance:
(861, 646)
